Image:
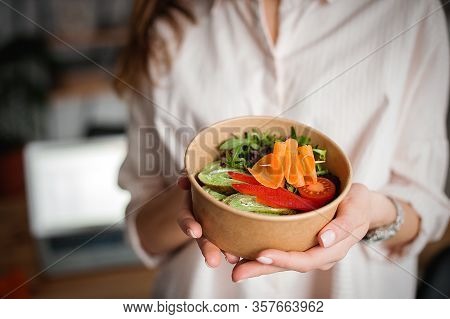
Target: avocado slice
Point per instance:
(213, 193)
(248, 203)
(216, 178)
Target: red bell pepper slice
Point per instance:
(280, 197)
(249, 179)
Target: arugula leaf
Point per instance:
(321, 169)
(303, 140)
(293, 133)
(254, 146)
(320, 154)
(243, 152)
(231, 143)
(291, 188)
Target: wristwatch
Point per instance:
(388, 231)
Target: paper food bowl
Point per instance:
(245, 234)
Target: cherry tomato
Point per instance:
(323, 191)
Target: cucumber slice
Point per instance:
(213, 193)
(248, 203)
(216, 177)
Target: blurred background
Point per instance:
(61, 144)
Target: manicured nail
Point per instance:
(206, 262)
(226, 258)
(328, 238)
(264, 260)
(191, 233)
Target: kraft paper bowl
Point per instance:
(243, 233)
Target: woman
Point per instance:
(372, 75)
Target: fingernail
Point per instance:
(206, 262)
(328, 238)
(191, 233)
(226, 258)
(264, 260)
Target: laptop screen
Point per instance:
(73, 185)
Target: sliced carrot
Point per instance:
(300, 176)
(307, 163)
(301, 172)
(288, 161)
(292, 173)
(267, 171)
(279, 151)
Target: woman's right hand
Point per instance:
(193, 229)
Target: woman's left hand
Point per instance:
(352, 222)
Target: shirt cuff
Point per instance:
(150, 261)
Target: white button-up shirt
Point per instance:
(372, 75)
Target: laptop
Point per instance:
(76, 209)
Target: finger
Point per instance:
(248, 269)
(184, 183)
(327, 266)
(338, 229)
(313, 258)
(348, 218)
(395, 252)
(232, 259)
(189, 225)
(210, 251)
(186, 220)
(293, 260)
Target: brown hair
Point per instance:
(146, 47)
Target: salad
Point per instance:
(265, 173)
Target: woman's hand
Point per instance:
(193, 229)
(359, 211)
(353, 218)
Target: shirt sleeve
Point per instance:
(420, 162)
(140, 173)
